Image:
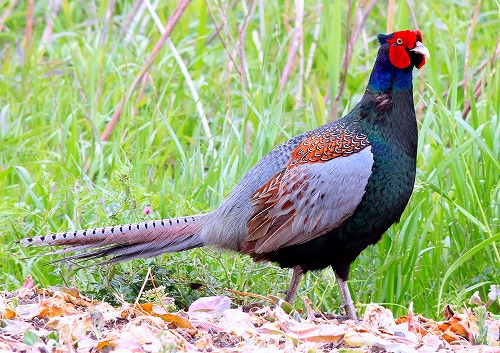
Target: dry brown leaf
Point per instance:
(11, 345)
(14, 327)
(419, 325)
(457, 333)
(238, 322)
(448, 312)
(302, 332)
(85, 325)
(108, 341)
(459, 328)
(272, 329)
(378, 316)
(173, 319)
(73, 326)
(321, 333)
(212, 306)
(177, 321)
(354, 338)
(28, 282)
(117, 344)
(431, 343)
(7, 313)
(57, 306)
(67, 290)
(493, 335)
(28, 311)
(69, 295)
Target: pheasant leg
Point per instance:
(346, 297)
(294, 283)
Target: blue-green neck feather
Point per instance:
(385, 77)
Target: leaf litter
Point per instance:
(62, 320)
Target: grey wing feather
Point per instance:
(329, 193)
(226, 227)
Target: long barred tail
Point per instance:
(127, 241)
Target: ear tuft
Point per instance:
(382, 38)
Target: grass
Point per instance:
(56, 174)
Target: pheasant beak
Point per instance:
(421, 49)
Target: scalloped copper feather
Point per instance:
(330, 144)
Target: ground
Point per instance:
(62, 320)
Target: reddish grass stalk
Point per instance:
(412, 14)
(345, 60)
(245, 77)
(133, 20)
(54, 6)
(312, 49)
(171, 22)
(286, 20)
(352, 37)
(29, 24)
(109, 13)
(482, 81)
(294, 45)
(390, 16)
(229, 56)
(467, 50)
(132, 14)
(300, 83)
(103, 40)
(476, 71)
(225, 26)
(187, 76)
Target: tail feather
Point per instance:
(124, 252)
(126, 242)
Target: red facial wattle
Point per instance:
(403, 42)
(422, 63)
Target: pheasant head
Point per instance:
(405, 48)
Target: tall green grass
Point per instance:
(56, 174)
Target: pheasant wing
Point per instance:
(321, 186)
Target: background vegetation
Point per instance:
(257, 73)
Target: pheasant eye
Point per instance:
(399, 41)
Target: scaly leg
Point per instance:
(346, 297)
(294, 283)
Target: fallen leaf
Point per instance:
(28, 311)
(158, 311)
(5, 311)
(321, 333)
(209, 306)
(353, 338)
(28, 282)
(51, 320)
(378, 316)
(238, 322)
(431, 344)
(14, 327)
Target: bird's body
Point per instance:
(315, 201)
(385, 196)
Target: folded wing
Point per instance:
(321, 186)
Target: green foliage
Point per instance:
(31, 338)
(56, 174)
